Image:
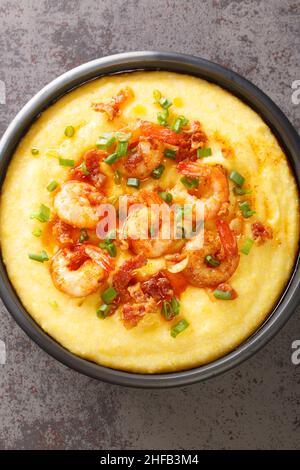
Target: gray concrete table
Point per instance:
(42, 403)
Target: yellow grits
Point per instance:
(216, 327)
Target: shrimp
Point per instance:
(80, 271)
(222, 246)
(77, 204)
(146, 156)
(213, 188)
(150, 214)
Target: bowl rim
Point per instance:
(173, 62)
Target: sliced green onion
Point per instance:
(112, 158)
(247, 246)
(245, 209)
(157, 172)
(37, 232)
(112, 250)
(123, 136)
(165, 102)
(175, 305)
(83, 168)
(133, 182)
(205, 152)
(179, 122)
(111, 235)
(167, 310)
(84, 236)
(109, 295)
(211, 261)
(179, 328)
(117, 177)
(222, 295)
(162, 117)
(169, 153)
(43, 215)
(190, 183)
(66, 162)
(167, 197)
(69, 131)
(40, 257)
(237, 178)
(241, 191)
(105, 140)
(121, 149)
(52, 186)
(35, 151)
(103, 311)
(156, 95)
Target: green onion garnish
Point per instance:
(241, 191)
(205, 152)
(245, 209)
(35, 151)
(103, 311)
(175, 305)
(109, 247)
(41, 257)
(170, 309)
(169, 153)
(111, 235)
(167, 310)
(105, 140)
(109, 295)
(117, 177)
(179, 123)
(121, 149)
(157, 172)
(69, 131)
(66, 162)
(123, 136)
(167, 197)
(165, 102)
(43, 215)
(162, 117)
(222, 295)
(190, 183)
(179, 328)
(133, 182)
(247, 246)
(112, 158)
(211, 261)
(84, 236)
(156, 95)
(37, 232)
(83, 168)
(52, 186)
(237, 178)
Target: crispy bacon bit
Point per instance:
(197, 135)
(77, 257)
(63, 233)
(89, 170)
(158, 287)
(260, 232)
(112, 108)
(132, 313)
(125, 274)
(227, 288)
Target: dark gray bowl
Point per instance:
(181, 63)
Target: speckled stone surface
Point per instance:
(44, 405)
